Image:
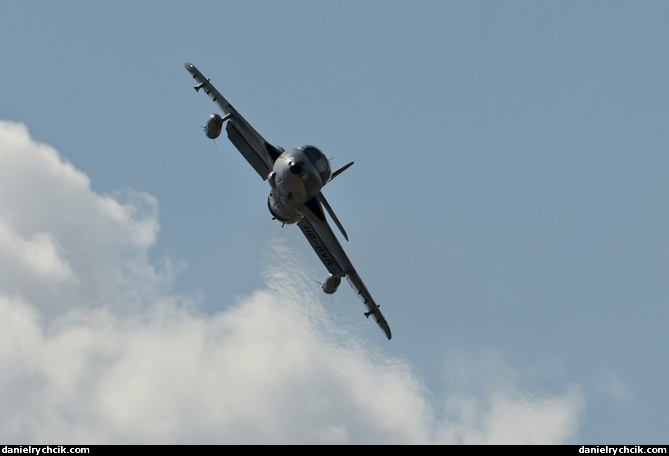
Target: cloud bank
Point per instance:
(96, 348)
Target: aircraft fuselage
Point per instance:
(297, 176)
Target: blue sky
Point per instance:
(507, 209)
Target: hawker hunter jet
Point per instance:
(296, 177)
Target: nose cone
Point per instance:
(295, 167)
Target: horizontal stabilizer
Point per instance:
(340, 170)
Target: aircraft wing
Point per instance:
(258, 152)
(329, 250)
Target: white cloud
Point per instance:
(95, 348)
(38, 255)
(62, 244)
(611, 383)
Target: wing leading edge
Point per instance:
(258, 152)
(329, 250)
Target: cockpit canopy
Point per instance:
(319, 160)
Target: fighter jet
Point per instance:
(296, 178)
